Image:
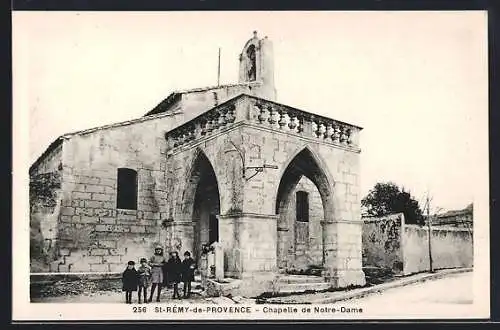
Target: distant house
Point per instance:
(455, 218)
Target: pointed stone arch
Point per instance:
(199, 203)
(303, 163)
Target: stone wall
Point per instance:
(95, 236)
(390, 243)
(45, 206)
(451, 248)
(382, 242)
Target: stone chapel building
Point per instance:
(276, 186)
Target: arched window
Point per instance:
(302, 204)
(127, 189)
(252, 70)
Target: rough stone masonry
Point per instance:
(276, 186)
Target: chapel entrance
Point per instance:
(303, 193)
(206, 205)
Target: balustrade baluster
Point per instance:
(264, 114)
(350, 137)
(343, 135)
(336, 133)
(284, 118)
(272, 116)
(222, 117)
(314, 127)
(294, 122)
(329, 131)
(230, 115)
(321, 130)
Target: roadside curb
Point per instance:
(358, 293)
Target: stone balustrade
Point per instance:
(289, 119)
(266, 114)
(201, 126)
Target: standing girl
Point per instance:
(156, 262)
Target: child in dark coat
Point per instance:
(174, 272)
(130, 279)
(188, 267)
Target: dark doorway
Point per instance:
(213, 229)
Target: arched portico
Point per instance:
(292, 231)
(199, 207)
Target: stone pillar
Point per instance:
(219, 261)
(257, 238)
(204, 270)
(342, 253)
(227, 239)
(249, 242)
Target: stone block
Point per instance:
(99, 252)
(152, 215)
(85, 219)
(108, 205)
(112, 259)
(92, 260)
(107, 244)
(84, 211)
(66, 218)
(63, 268)
(87, 179)
(117, 251)
(80, 195)
(101, 197)
(137, 229)
(99, 267)
(104, 212)
(67, 211)
(109, 190)
(93, 204)
(94, 188)
(107, 220)
(126, 217)
(108, 182)
(116, 267)
(79, 266)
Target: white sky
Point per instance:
(416, 81)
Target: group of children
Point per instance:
(158, 272)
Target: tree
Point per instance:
(387, 198)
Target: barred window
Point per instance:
(302, 204)
(127, 189)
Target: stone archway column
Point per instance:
(227, 239)
(342, 253)
(249, 241)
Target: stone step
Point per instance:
(302, 287)
(290, 279)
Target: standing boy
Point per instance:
(188, 267)
(144, 272)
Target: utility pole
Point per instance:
(218, 71)
(430, 233)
